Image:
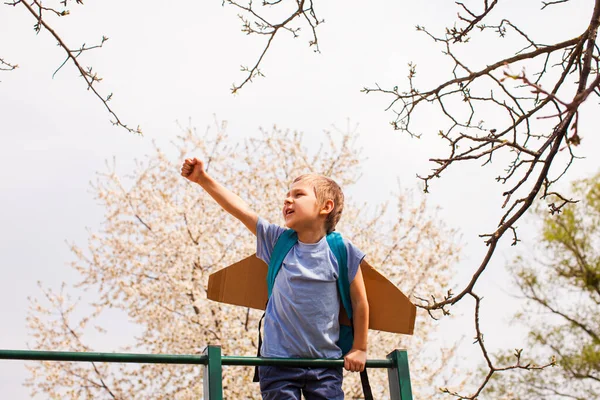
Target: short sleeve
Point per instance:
(266, 237)
(355, 257)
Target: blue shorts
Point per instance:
(287, 383)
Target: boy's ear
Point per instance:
(327, 207)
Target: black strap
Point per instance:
(366, 386)
(255, 378)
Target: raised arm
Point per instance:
(193, 170)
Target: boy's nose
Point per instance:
(288, 200)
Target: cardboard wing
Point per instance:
(245, 284)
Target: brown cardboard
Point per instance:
(245, 284)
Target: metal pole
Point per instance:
(213, 375)
(39, 355)
(298, 362)
(399, 376)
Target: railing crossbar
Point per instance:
(211, 359)
(72, 356)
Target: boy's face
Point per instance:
(301, 208)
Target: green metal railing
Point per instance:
(396, 364)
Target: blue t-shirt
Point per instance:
(302, 316)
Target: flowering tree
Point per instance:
(162, 238)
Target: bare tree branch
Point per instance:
(518, 365)
(6, 66)
(253, 22)
(36, 9)
(521, 100)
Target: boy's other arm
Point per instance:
(193, 170)
(356, 358)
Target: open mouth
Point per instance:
(289, 212)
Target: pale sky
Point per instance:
(168, 62)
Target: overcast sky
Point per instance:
(176, 61)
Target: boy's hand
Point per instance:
(355, 360)
(193, 169)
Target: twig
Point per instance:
(88, 75)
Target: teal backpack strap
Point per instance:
(337, 246)
(284, 244)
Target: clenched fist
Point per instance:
(193, 170)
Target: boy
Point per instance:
(301, 319)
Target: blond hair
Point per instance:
(326, 189)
